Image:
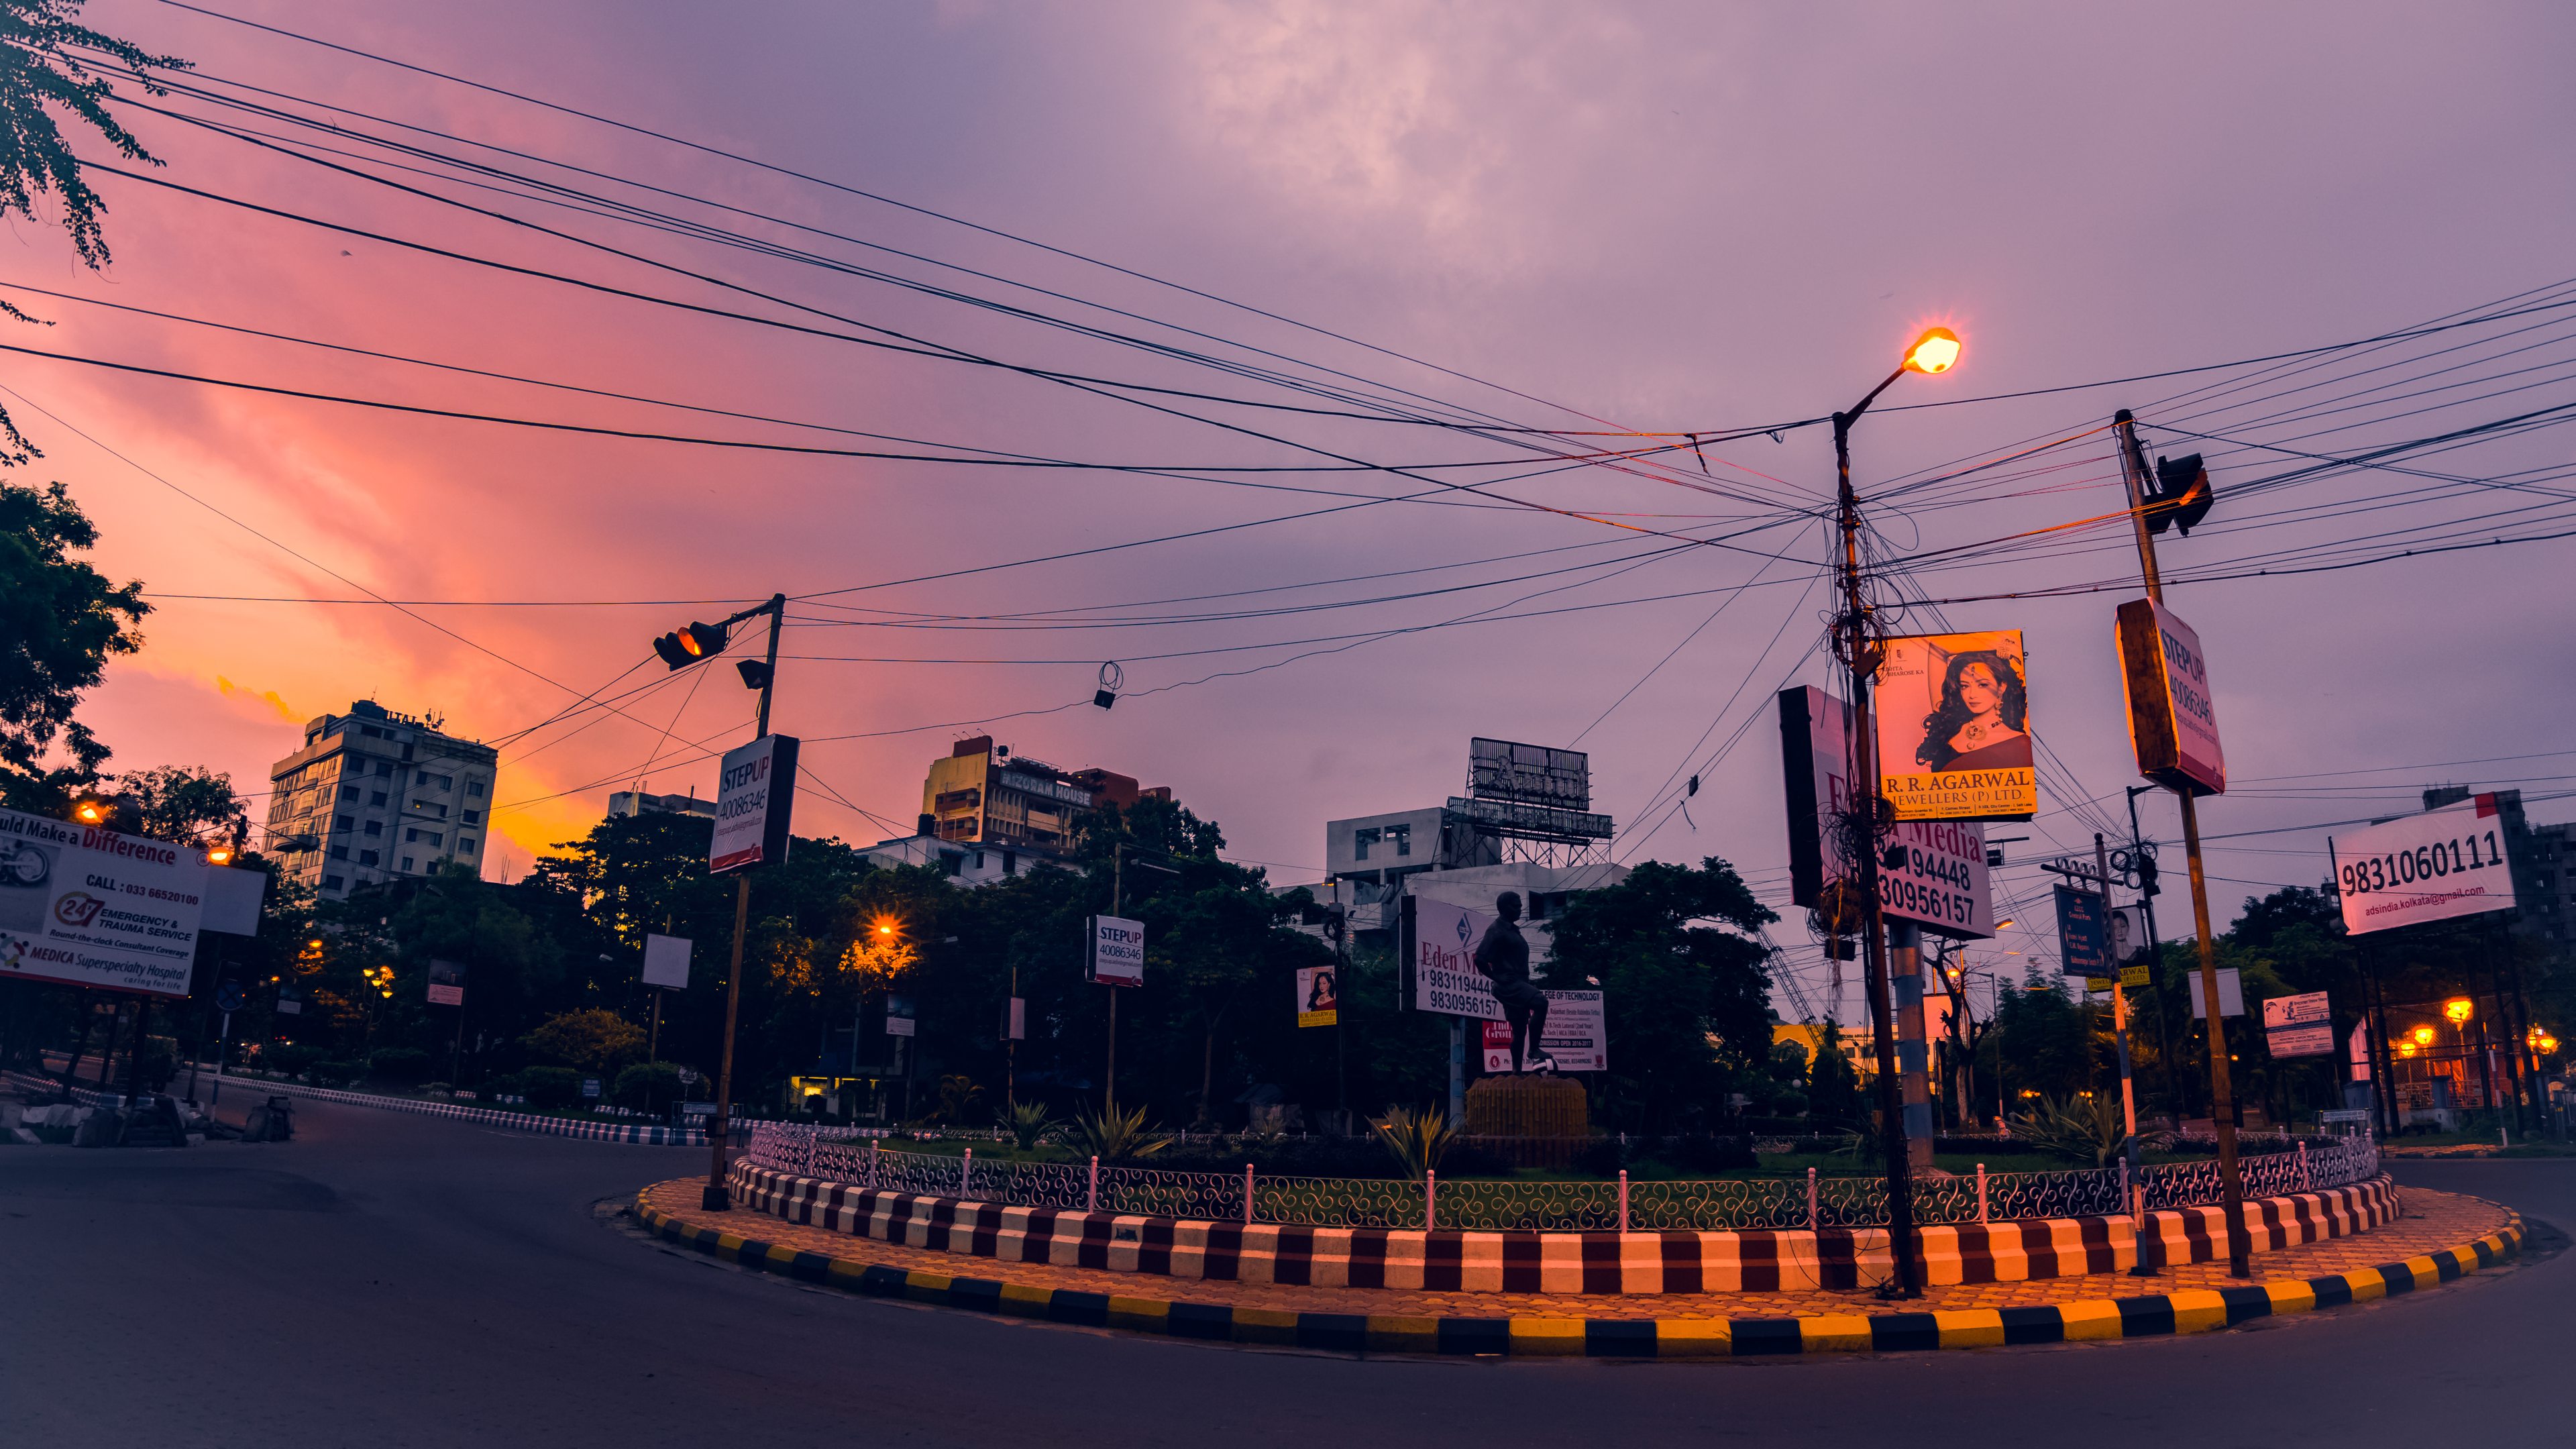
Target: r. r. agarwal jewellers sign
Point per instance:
(755, 793)
(93, 907)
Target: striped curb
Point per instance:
(1742, 1261)
(2196, 1310)
(520, 1121)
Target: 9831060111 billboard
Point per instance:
(1954, 727)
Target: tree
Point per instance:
(60, 620)
(184, 802)
(1687, 1001)
(44, 74)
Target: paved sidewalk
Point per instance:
(2441, 1236)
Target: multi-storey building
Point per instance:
(375, 795)
(623, 803)
(982, 794)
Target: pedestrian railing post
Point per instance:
(965, 1173)
(1247, 1194)
(1430, 1200)
(1623, 1199)
(876, 1151)
(1981, 1194)
(1091, 1197)
(2306, 1182)
(1811, 1200)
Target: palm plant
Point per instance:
(2084, 1130)
(1418, 1139)
(1120, 1134)
(1029, 1124)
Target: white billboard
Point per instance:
(1442, 967)
(2299, 1026)
(95, 907)
(1117, 955)
(1577, 1035)
(2429, 867)
(666, 961)
(755, 794)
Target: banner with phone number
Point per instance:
(2430, 867)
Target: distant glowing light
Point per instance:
(2457, 1010)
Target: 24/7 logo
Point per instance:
(78, 908)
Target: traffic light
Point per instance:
(2182, 495)
(2146, 874)
(683, 647)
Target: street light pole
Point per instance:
(716, 1198)
(1935, 351)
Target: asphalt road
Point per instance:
(389, 1280)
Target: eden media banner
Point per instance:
(1442, 964)
(1954, 727)
(2429, 867)
(95, 907)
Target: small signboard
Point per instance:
(899, 1018)
(2173, 724)
(755, 794)
(2299, 1026)
(666, 961)
(2359, 1047)
(447, 983)
(1577, 1035)
(590, 1088)
(1318, 996)
(288, 1003)
(2231, 995)
(697, 1109)
(2083, 934)
(1117, 953)
(2133, 977)
(1015, 1019)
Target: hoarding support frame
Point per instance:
(716, 1198)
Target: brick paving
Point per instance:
(2433, 1221)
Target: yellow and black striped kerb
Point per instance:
(2156, 1315)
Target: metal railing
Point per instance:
(1709, 1205)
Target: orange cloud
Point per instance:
(230, 690)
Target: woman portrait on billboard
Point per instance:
(1982, 720)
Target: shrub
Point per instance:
(293, 1060)
(597, 1041)
(647, 1086)
(549, 1086)
(1029, 1124)
(400, 1064)
(1709, 1154)
(1419, 1140)
(335, 1074)
(1119, 1135)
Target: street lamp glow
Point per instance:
(2457, 1010)
(2423, 1036)
(1934, 351)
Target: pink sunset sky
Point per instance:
(1660, 217)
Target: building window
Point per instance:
(339, 852)
(472, 817)
(979, 860)
(465, 845)
(344, 822)
(1402, 837)
(411, 837)
(474, 789)
(375, 827)
(348, 792)
(406, 862)
(366, 857)
(433, 838)
(375, 797)
(330, 882)
(1361, 840)
(1010, 862)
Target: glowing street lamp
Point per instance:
(2423, 1036)
(1935, 351)
(2458, 1010)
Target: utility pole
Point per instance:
(2120, 1035)
(2222, 1099)
(717, 1198)
(1117, 904)
(2145, 866)
(1341, 983)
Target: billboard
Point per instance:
(447, 983)
(1318, 996)
(755, 794)
(2083, 934)
(666, 961)
(1577, 1035)
(2173, 724)
(1954, 727)
(1438, 945)
(1116, 954)
(2299, 1026)
(2231, 995)
(93, 907)
(1530, 774)
(1943, 884)
(2429, 867)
